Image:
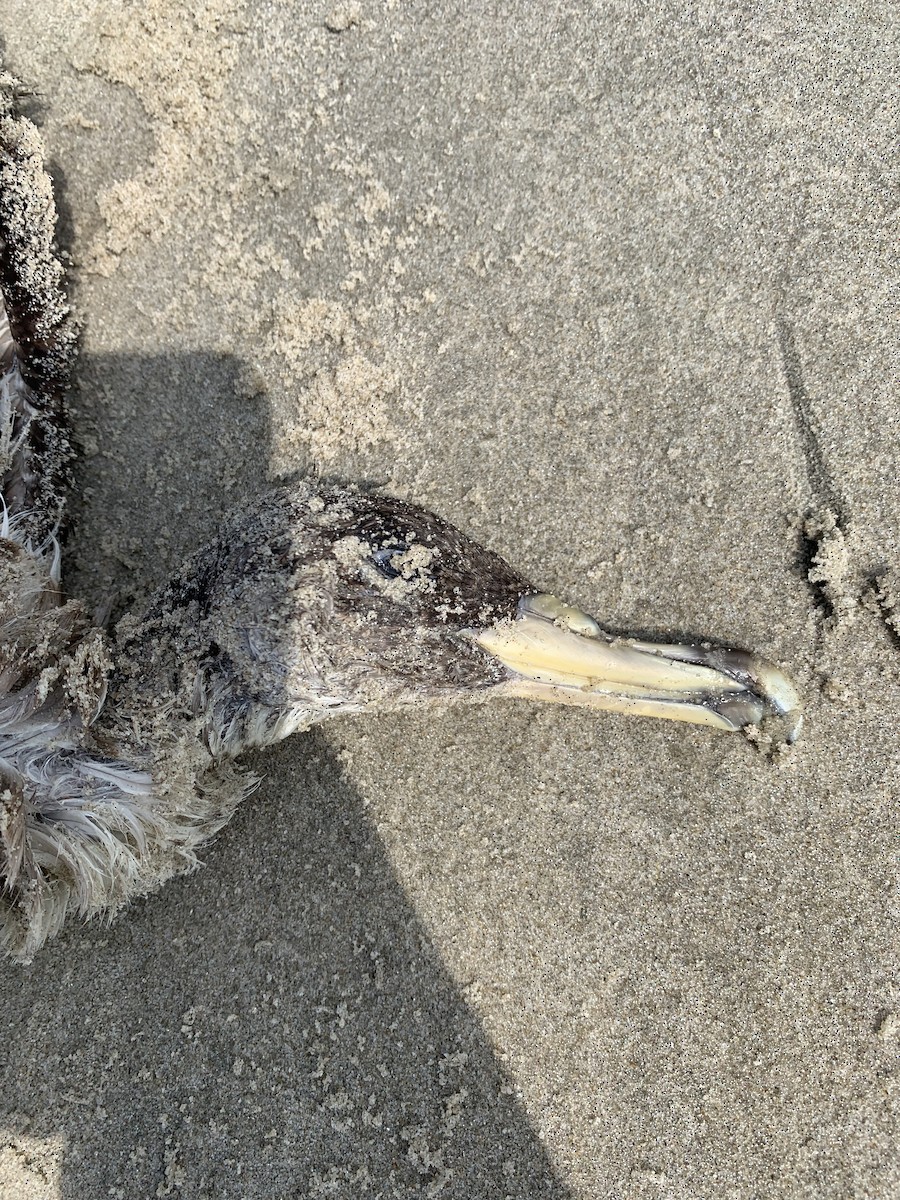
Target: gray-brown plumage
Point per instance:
(118, 751)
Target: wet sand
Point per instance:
(611, 290)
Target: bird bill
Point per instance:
(557, 653)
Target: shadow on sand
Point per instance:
(277, 1024)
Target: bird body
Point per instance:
(119, 749)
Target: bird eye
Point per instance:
(382, 559)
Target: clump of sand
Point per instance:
(332, 383)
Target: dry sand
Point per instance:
(609, 286)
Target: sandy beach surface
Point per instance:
(610, 287)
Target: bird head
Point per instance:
(320, 602)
